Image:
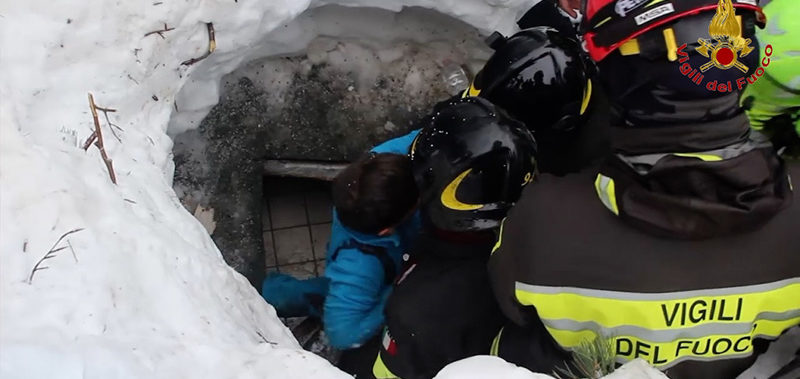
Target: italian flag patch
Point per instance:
(388, 343)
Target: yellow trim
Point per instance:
(449, 199)
(791, 187)
(471, 91)
(631, 47)
(603, 22)
(380, 371)
(640, 320)
(669, 352)
(587, 96)
(612, 196)
(495, 350)
(499, 236)
(607, 193)
(654, 2)
(414, 145)
(704, 157)
(672, 46)
(650, 314)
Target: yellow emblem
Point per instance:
(727, 44)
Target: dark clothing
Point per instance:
(442, 309)
(358, 362)
(686, 165)
(574, 244)
(532, 347)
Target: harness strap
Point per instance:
(380, 253)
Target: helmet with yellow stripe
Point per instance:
(540, 76)
(471, 161)
(543, 78)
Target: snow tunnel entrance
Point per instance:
(324, 89)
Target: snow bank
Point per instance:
(141, 291)
(486, 367)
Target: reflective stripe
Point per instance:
(499, 236)
(449, 199)
(667, 335)
(666, 354)
(495, 350)
(656, 296)
(414, 145)
(602, 22)
(704, 157)
(631, 47)
(587, 96)
(789, 178)
(380, 371)
(672, 46)
(471, 91)
(606, 192)
(729, 152)
(666, 328)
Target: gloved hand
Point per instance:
(292, 297)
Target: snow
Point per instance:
(146, 293)
(141, 290)
(486, 367)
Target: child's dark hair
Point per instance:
(375, 192)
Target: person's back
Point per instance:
(681, 247)
(374, 223)
(667, 301)
(442, 309)
(470, 162)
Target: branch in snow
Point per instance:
(160, 32)
(212, 45)
(265, 339)
(89, 141)
(112, 125)
(98, 135)
(52, 253)
(73, 251)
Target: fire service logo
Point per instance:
(723, 50)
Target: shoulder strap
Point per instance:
(389, 270)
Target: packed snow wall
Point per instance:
(138, 289)
(350, 78)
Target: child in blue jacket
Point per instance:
(374, 223)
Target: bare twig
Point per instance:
(51, 253)
(99, 134)
(160, 32)
(212, 45)
(111, 124)
(89, 141)
(265, 339)
(73, 251)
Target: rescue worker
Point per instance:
(684, 251)
(374, 223)
(471, 162)
(773, 102)
(542, 77)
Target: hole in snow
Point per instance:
(318, 91)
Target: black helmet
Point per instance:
(471, 161)
(542, 78)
